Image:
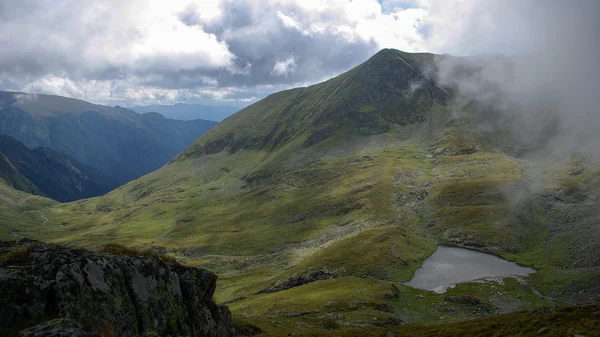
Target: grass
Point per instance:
(399, 253)
(118, 249)
(369, 218)
(582, 320)
(17, 255)
(365, 207)
(15, 215)
(364, 303)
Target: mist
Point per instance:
(545, 88)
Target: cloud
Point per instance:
(108, 51)
(551, 84)
(111, 51)
(290, 22)
(88, 38)
(283, 67)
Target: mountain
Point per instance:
(117, 141)
(11, 176)
(315, 205)
(373, 98)
(57, 175)
(188, 112)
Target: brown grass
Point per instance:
(118, 249)
(16, 256)
(107, 331)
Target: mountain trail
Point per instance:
(42, 214)
(17, 235)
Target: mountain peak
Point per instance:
(390, 89)
(387, 53)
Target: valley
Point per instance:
(115, 141)
(54, 174)
(316, 205)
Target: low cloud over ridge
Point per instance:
(145, 52)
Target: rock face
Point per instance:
(52, 290)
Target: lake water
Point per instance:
(449, 266)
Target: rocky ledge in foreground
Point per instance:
(48, 290)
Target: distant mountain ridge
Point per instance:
(186, 112)
(11, 176)
(53, 174)
(119, 142)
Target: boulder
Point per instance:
(128, 295)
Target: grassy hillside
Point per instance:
(315, 204)
(581, 320)
(388, 92)
(11, 176)
(20, 211)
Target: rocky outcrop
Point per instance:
(297, 280)
(57, 328)
(52, 290)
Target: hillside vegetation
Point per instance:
(315, 204)
(11, 176)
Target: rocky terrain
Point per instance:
(49, 290)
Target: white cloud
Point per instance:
(288, 21)
(96, 49)
(129, 91)
(55, 85)
(93, 35)
(284, 67)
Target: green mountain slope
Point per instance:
(315, 204)
(11, 176)
(387, 92)
(57, 175)
(119, 142)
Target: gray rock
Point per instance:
(56, 328)
(131, 295)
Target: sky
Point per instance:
(234, 52)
